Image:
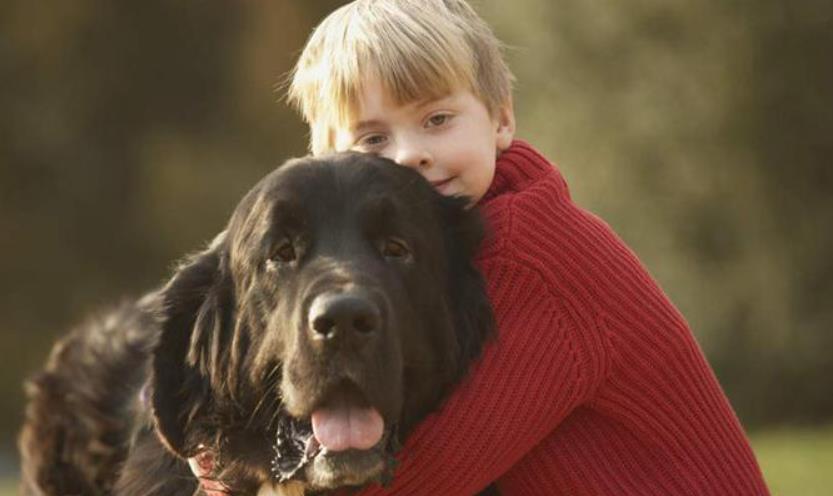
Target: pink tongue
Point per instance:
(345, 427)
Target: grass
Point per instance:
(794, 461)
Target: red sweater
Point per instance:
(594, 385)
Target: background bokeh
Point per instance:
(702, 131)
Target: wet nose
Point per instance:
(343, 318)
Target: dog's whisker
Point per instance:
(269, 397)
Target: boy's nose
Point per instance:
(414, 157)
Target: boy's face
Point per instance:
(452, 141)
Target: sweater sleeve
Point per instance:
(528, 380)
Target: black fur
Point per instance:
(232, 345)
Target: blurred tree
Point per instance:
(128, 132)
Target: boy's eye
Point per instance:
(438, 119)
(371, 140)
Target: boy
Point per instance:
(594, 384)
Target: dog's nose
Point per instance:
(343, 317)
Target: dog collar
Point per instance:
(202, 465)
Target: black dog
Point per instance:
(335, 311)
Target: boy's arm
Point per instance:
(528, 379)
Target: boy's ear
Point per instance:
(195, 306)
(505, 118)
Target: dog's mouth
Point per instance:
(346, 422)
(344, 442)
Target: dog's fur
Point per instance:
(227, 350)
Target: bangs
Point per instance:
(413, 58)
(405, 75)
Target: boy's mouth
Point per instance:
(442, 184)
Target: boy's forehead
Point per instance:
(364, 118)
(374, 100)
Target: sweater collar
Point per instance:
(516, 167)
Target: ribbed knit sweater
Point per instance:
(594, 384)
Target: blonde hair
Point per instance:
(419, 49)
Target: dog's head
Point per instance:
(336, 309)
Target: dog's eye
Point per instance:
(395, 248)
(283, 252)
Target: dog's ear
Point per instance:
(195, 316)
(471, 310)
